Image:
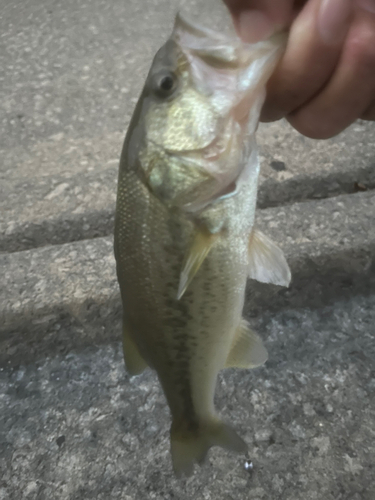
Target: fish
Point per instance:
(185, 239)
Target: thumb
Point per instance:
(258, 19)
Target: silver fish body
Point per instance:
(185, 242)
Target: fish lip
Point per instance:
(214, 151)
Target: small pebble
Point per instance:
(248, 466)
(60, 441)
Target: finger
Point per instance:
(350, 91)
(369, 114)
(278, 11)
(258, 19)
(313, 50)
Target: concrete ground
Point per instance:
(73, 425)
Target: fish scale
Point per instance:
(185, 241)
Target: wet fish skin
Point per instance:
(184, 232)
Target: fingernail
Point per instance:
(254, 25)
(367, 5)
(333, 20)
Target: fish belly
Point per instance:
(186, 341)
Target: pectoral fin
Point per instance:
(134, 362)
(247, 350)
(202, 243)
(266, 261)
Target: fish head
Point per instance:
(198, 114)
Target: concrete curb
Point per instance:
(47, 289)
(67, 206)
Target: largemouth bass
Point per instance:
(185, 241)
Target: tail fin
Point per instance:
(189, 447)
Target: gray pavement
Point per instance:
(61, 296)
(78, 428)
(64, 205)
(73, 425)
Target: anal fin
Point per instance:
(134, 362)
(247, 349)
(202, 244)
(267, 263)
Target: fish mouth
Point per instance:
(215, 160)
(221, 145)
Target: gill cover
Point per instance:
(204, 95)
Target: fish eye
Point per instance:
(165, 84)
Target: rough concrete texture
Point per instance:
(67, 295)
(72, 73)
(76, 427)
(64, 205)
(73, 425)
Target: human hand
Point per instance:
(326, 77)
